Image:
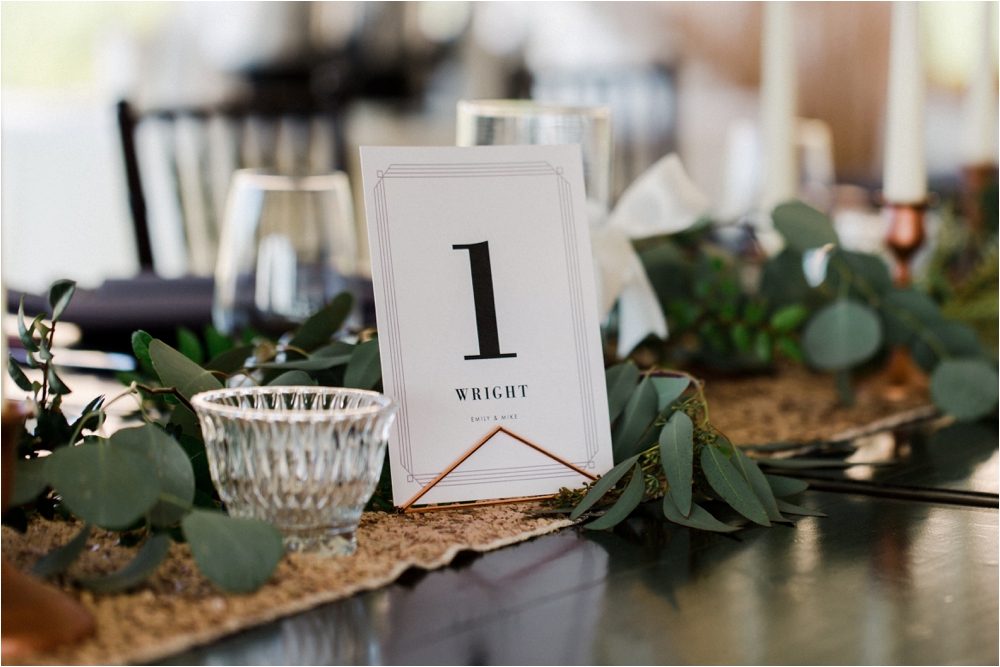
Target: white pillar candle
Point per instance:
(905, 168)
(979, 108)
(777, 105)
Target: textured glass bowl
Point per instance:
(305, 459)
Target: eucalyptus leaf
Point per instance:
(188, 422)
(292, 379)
(25, 332)
(16, 374)
(789, 508)
(189, 345)
(176, 476)
(621, 381)
(106, 484)
(176, 370)
(602, 486)
(758, 483)
(334, 350)
(318, 329)
(782, 281)
(677, 458)
(966, 389)
(802, 226)
(636, 419)
(231, 360)
(730, 485)
(149, 558)
(699, 518)
(29, 480)
(668, 389)
(59, 559)
(56, 385)
(841, 335)
(60, 294)
(140, 346)
(238, 555)
(946, 339)
(364, 370)
(905, 313)
(785, 486)
(628, 501)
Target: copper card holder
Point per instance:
(408, 508)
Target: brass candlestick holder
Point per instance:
(905, 237)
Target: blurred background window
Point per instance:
(295, 87)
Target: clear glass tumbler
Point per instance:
(288, 245)
(510, 122)
(305, 459)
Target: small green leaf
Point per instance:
(635, 420)
(730, 485)
(103, 483)
(56, 385)
(364, 370)
(789, 508)
(29, 481)
(318, 329)
(966, 389)
(176, 476)
(238, 555)
(621, 381)
(841, 335)
(758, 483)
(762, 346)
(176, 370)
(791, 349)
(789, 317)
(189, 345)
(677, 457)
(803, 226)
(60, 295)
(217, 342)
(668, 389)
(149, 558)
(230, 361)
(742, 339)
(16, 374)
(699, 518)
(292, 379)
(785, 486)
(24, 332)
(140, 346)
(59, 559)
(602, 486)
(628, 501)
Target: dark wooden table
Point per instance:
(884, 580)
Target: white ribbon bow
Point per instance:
(663, 200)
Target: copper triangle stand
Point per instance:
(407, 507)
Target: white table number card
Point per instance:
(487, 317)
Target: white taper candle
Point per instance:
(905, 167)
(778, 105)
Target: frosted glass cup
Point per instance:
(305, 459)
(288, 245)
(518, 122)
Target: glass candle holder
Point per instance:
(305, 459)
(511, 122)
(288, 245)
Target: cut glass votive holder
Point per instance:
(305, 459)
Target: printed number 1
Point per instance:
(486, 308)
